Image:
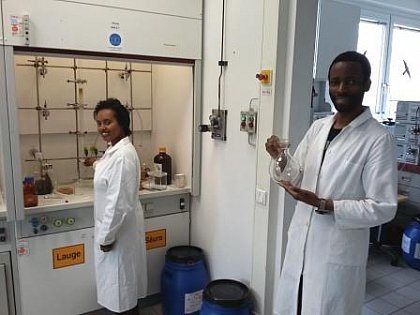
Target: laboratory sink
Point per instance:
(50, 199)
(58, 198)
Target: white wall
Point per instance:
(222, 216)
(242, 239)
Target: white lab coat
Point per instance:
(121, 275)
(359, 174)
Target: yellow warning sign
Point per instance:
(68, 256)
(155, 239)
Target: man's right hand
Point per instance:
(273, 146)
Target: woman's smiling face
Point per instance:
(108, 126)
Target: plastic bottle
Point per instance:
(30, 198)
(166, 161)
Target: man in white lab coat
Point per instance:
(120, 254)
(349, 184)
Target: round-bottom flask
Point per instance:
(285, 167)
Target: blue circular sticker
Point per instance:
(115, 39)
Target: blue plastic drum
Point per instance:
(410, 244)
(183, 280)
(226, 297)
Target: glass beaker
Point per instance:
(285, 167)
(157, 180)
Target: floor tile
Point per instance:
(407, 274)
(376, 290)
(391, 289)
(416, 285)
(401, 312)
(369, 297)
(390, 282)
(381, 306)
(413, 308)
(396, 299)
(409, 292)
(368, 311)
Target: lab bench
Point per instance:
(409, 185)
(51, 228)
(408, 204)
(84, 198)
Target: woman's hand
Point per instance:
(88, 161)
(299, 194)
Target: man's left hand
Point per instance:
(299, 194)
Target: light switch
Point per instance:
(261, 196)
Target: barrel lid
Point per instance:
(227, 292)
(185, 254)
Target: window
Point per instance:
(371, 42)
(404, 70)
(392, 45)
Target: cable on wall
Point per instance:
(222, 63)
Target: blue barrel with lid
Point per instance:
(226, 297)
(184, 277)
(410, 243)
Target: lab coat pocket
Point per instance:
(348, 247)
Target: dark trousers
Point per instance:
(299, 301)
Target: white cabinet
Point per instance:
(7, 306)
(409, 185)
(174, 227)
(338, 32)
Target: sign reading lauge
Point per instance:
(155, 239)
(68, 256)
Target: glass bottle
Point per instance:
(166, 161)
(30, 198)
(285, 167)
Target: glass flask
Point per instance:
(285, 167)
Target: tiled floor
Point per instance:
(389, 289)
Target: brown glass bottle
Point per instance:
(30, 198)
(166, 161)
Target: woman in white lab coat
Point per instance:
(120, 255)
(349, 184)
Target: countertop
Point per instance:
(411, 168)
(83, 197)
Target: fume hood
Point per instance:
(56, 65)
